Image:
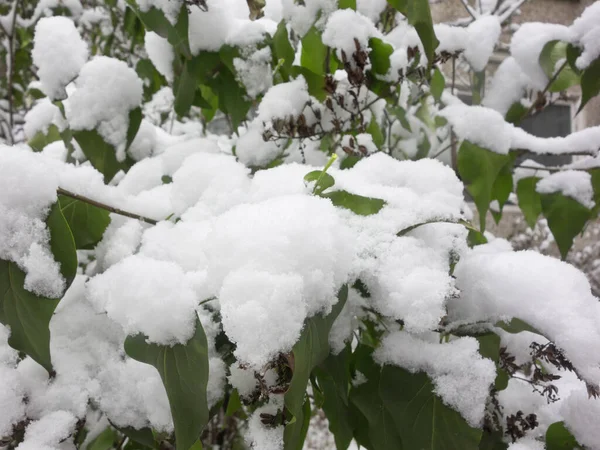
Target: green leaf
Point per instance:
(553, 53)
(104, 441)
(516, 113)
(479, 169)
(438, 83)
(231, 97)
(334, 379)
(62, 243)
(282, 49)
(590, 82)
(530, 201)
(40, 140)
(28, 315)
(349, 4)
(375, 131)
(492, 441)
(322, 180)
(135, 120)
(423, 146)
(184, 373)
(380, 55)
(478, 87)
(400, 114)
(311, 349)
(423, 420)
(316, 83)
(419, 15)
(516, 326)
(503, 186)
(101, 154)
(573, 53)
(558, 437)
(557, 208)
(314, 52)
(143, 436)
(363, 206)
(234, 403)
(184, 87)
(87, 222)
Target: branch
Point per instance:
(109, 208)
(552, 80)
(469, 9)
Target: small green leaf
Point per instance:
(135, 119)
(87, 222)
(530, 201)
(479, 169)
(347, 4)
(322, 180)
(104, 441)
(28, 315)
(590, 82)
(62, 243)
(503, 186)
(478, 87)
(283, 50)
(184, 373)
(316, 83)
(232, 97)
(558, 437)
(438, 83)
(516, 326)
(375, 131)
(101, 154)
(552, 54)
(380, 55)
(143, 436)
(40, 140)
(184, 87)
(234, 403)
(311, 350)
(400, 114)
(314, 52)
(516, 113)
(556, 208)
(363, 206)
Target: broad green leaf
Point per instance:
(438, 82)
(419, 15)
(516, 113)
(558, 437)
(101, 154)
(40, 140)
(334, 379)
(314, 52)
(143, 436)
(478, 86)
(184, 373)
(479, 169)
(350, 4)
(184, 87)
(28, 315)
(529, 200)
(364, 206)
(489, 347)
(375, 131)
(516, 326)
(349, 161)
(87, 222)
(234, 403)
(231, 97)
(551, 59)
(316, 83)
(566, 219)
(282, 49)
(380, 55)
(135, 119)
(62, 243)
(105, 440)
(311, 350)
(590, 82)
(155, 20)
(503, 186)
(381, 431)
(421, 417)
(322, 180)
(573, 53)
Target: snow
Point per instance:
(49, 431)
(170, 8)
(59, 54)
(550, 295)
(252, 150)
(371, 8)
(311, 12)
(40, 117)
(586, 28)
(283, 100)
(483, 34)
(507, 86)
(107, 90)
(486, 127)
(527, 44)
(461, 376)
(11, 400)
(258, 436)
(343, 27)
(255, 71)
(243, 380)
(147, 296)
(580, 414)
(571, 183)
(160, 53)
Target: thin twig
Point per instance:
(552, 80)
(470, 10)
(112, 209)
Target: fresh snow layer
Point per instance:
(571, 183)
(59, 54)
